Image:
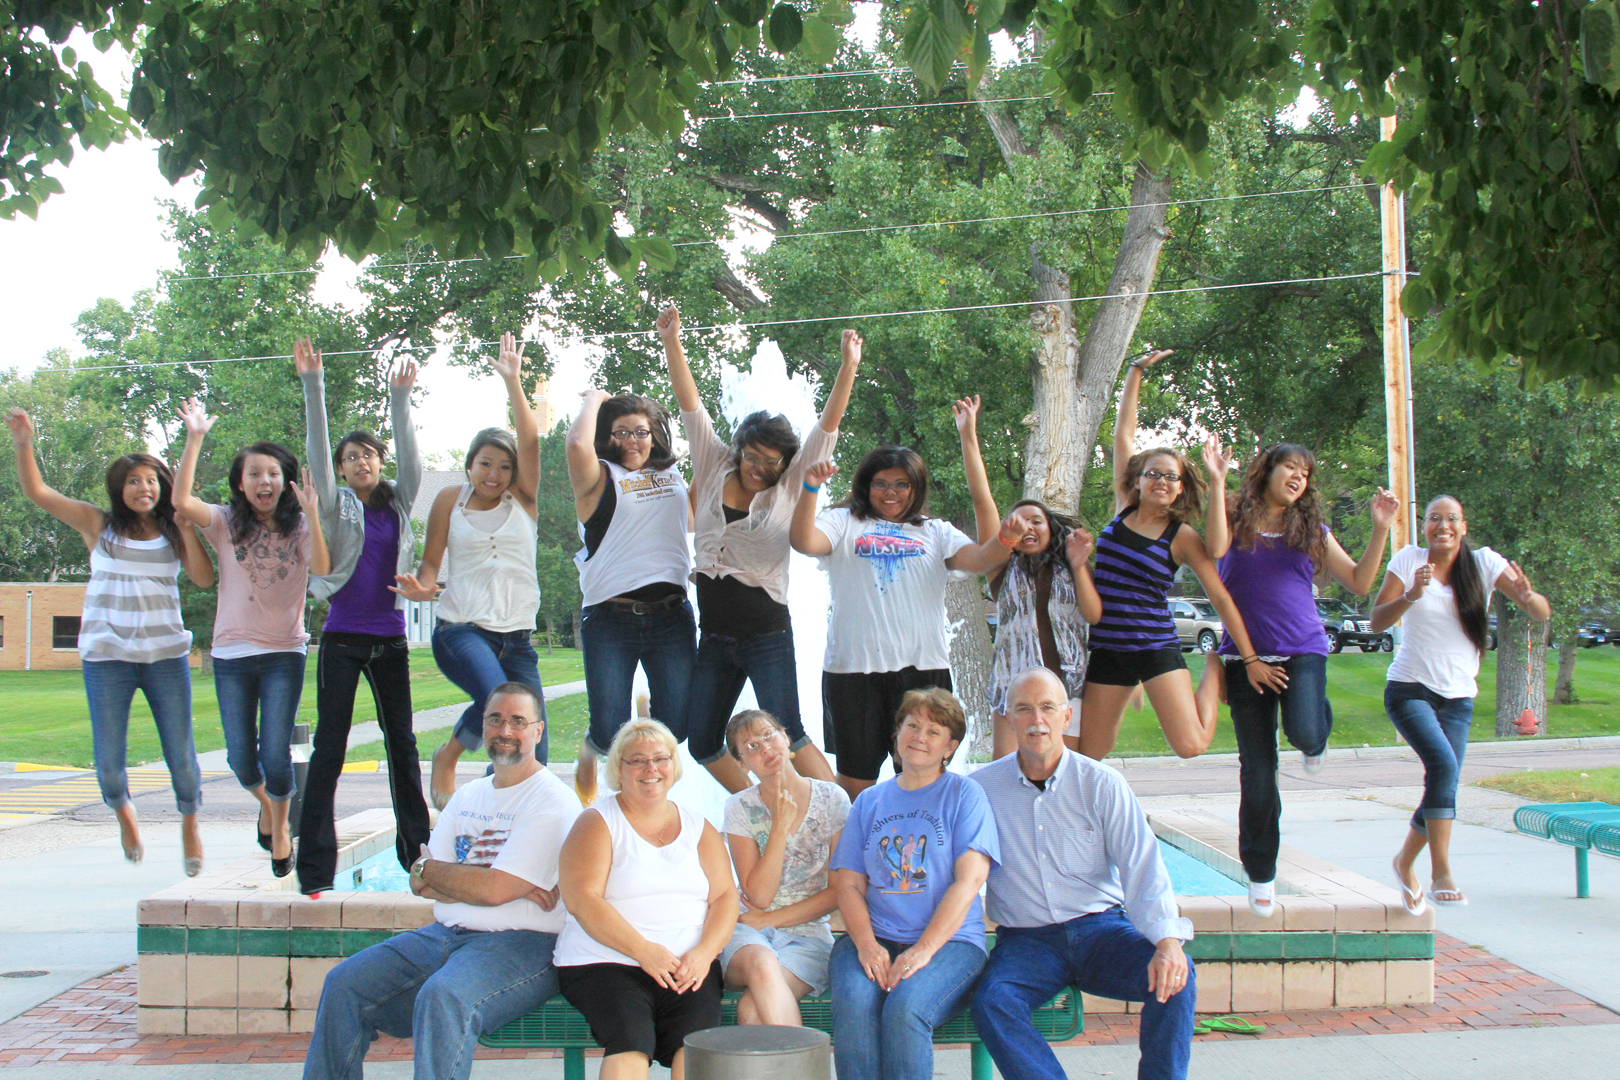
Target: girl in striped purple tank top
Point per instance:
(1138, 553)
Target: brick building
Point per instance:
(39, 625)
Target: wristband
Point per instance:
(1247, 660)
(1002, 540)
(807, 487)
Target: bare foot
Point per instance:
(442, 780)
(585, 775)
(129, 833)
(191, 844)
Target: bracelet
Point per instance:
(1002, 540)
(807, 487)
(1247, 660)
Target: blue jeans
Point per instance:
(441, 986)
(1102, 954)
(615, 639)
(479, 660)
(723, 665)
(110, 686)
(890, 1034)
(1437, 730)
(1307, 720)
(258, 704)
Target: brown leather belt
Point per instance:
(646, 607)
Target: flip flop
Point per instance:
(1448, 897)
(1411, 899)
(1234, 1025)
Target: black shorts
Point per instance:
(628, 1011)
(858, 713)
(1112, 667)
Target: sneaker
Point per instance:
(1313, 762)
(1263, 898)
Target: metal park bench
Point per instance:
(1576, 824)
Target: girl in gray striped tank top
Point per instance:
(131, 636)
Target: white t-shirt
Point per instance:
(1434, 650)
(519, 830)
(888, 592)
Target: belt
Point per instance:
(647, 607)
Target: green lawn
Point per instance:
(44, 718)
(1566, 785)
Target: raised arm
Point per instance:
(509, 366)
(587, 857)
(1188, 548)
(1078, 549)
(680, 373)
(407, 454)
(1516, 584)
(832, 413)
(585, 472)
(992, 554)
(1125, 420)
(320, 558)
(802, 533)
(423, 585)
(189, 509)
(1396, 596)
(986, 518)
(1217, 536)
(1359, 576)
(317, 440)
(83, 518)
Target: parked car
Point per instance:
(1198, 624)
(1592, 634)
(1345, 626)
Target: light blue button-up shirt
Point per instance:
(1081, 846)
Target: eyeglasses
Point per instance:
(1168, 477)
(1046, 709)
(760, 742)
(900, 486)
(515, 723)
(639, 764)
(354, 457)
(627, 435)
(1450, 519)
(769, 464)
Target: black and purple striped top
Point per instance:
(1133, 576)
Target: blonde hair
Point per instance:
(639, 729)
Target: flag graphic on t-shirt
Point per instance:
(481, 850)
(886, 545)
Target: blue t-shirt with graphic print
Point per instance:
(907, 844)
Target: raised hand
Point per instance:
(1217, 460)
(1152, 358)
(784, 808)
(595, 395)
(850, 347)
(311, 502)
(1516, 583)
(819, 473)
(1016, 525)
(1080, 544)
(22, 427)
(410, 588)
(195, 418)
(402, 373)
(508, 364)
(966, 414)
(668, 323)
(306, 357)
(1420, 581)
(1383, 508)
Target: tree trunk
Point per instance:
(1564, 685)
(579, 637)
(1054, 449)
(549, 635)
(970, 658)
(1521, 671)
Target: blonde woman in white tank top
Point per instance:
(486, 613)
(131, 635)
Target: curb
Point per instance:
(1518, 746)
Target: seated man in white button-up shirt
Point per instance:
(1077, 855)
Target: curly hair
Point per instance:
(1302, 520)
(662, 455)
(1189, 505)
(287, 513)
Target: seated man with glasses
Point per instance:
(491, 867)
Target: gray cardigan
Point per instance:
(342, 516)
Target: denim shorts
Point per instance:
(801, 954)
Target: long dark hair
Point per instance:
(1302, 520)
(1189, 505)
(889, 457)
(662, 455)
(1468, 590)
(126, 522)
(287, 513)
(382, 496)
(1055, 554)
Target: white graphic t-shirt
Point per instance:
(888, 592)
(645, 540)
(519, 830)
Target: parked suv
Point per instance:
(1592, 634)
(1345, 626)
(1198, 624)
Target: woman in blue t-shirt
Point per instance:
(909, 865)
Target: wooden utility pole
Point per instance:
(1397, 360)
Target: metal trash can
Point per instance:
(759, 1052)
(300, 763)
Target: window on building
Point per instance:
(64, 631)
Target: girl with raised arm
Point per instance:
(743, 497)
(1277, 543)
(1441, 595)
(631, 502)
(131, 635)
(889, 563)
(368, 530)
(1157, 492)
(269, 541)
(486, 614)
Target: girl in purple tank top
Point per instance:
(1276, 544)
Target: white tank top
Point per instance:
(132, 602)
(645, 541)
(492, 577)
(661, 891)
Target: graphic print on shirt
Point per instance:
(903, 850)
(269, 558)
(482, 849)
(644, 485)
(887, 547)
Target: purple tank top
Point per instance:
(1271, 585)
(364, 605)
